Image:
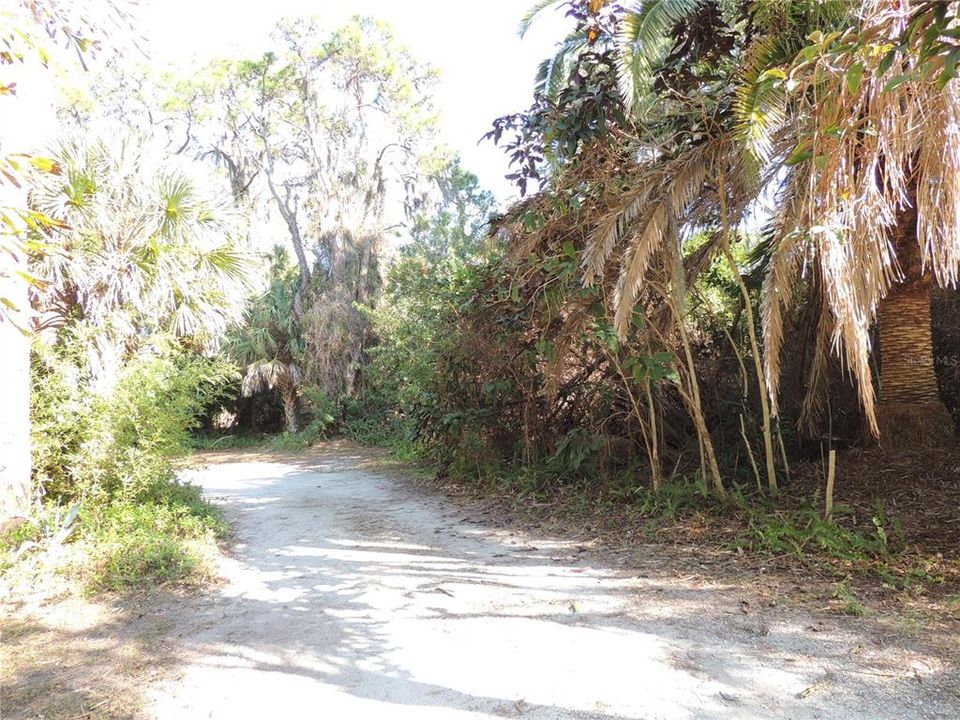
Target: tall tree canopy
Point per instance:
(333, 136)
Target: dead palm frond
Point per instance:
(664, 193)
(878, 137)
(263, 375)
(781, 280)
(862, 127)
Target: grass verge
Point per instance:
(168, 537)
(864, 557)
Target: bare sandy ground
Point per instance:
(351, 594)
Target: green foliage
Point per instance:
(576, 456)
(804, 531)
(119, 445)
(114, 397)
(678, 498)
(134, 557)
(270, 345)
(149, 247)
(27, 32)
(576, 100)
(271, 331)
(320, 408)
(104, 463)
(167, 535)
(20, 534)
(851, 605)
(297, 441)
(427, 289)
(529, 371)
(139, 545)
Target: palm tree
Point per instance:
(879, 123)
(148, 248)
(270, 344)
(837, 110)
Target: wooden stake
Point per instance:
(831, 476)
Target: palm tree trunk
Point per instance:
(910, 413)
(288, 396)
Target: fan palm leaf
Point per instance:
(145, 242)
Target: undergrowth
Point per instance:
(312, 433)
(111, 512)
(228, 441)
(850, 543)
(140, 545)
(166, 537)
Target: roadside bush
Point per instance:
(111, 452)
(415, 321)
(804, 532)
(98, 446)
(295, 442)
(228, 441)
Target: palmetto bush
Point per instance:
(270, 345)
(149, 248)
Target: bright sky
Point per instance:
(486, 69)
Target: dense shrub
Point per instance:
(141, 545)
(416, 327)
(416, 320)
(110, 450)
(99, 445)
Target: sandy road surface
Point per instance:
(353, 595)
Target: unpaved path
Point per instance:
(351, 595)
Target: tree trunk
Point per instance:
(353, 365)
(288, 396)
(910, 413)
(289, 214)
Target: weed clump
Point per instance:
(139, 546)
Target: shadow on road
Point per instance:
(351, 594)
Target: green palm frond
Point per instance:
(643, 43)
(271, 339)
(177, 204)
(186, 316)
(228, 262)
(760, 107)
(554, 71)
(530, 15)
(145, 241)
(780, 32)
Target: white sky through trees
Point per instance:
(486, 69)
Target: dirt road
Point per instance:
(352, 595)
